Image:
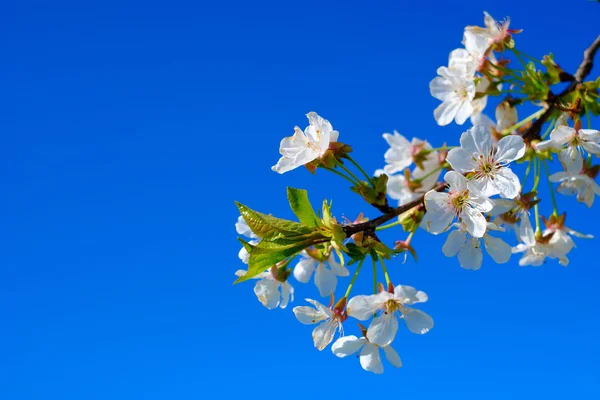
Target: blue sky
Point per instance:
(128, 130)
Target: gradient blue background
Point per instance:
(128, 128)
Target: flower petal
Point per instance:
(347, 345)
(392, 356)
(456, 239)
(417, 321)
(497, 248)
(323, 333)
(461, 160)
(325, 280)
(409, 295)
(370, 359)
(470, 255)
(383, 329)
(304, 269)
(363, 307)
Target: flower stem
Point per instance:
(385, 273)
(374, 275)
(589, 121)
(527, 171)
(342, 166)
(505, 70)
(391, 225)
(517, 52)
(523, 122)
(339, 174)
(549, 129)
(552, 195)
(537, 167)
(427, 175)
(357, 165)
(354, 277)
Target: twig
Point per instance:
(533, 132)
(369, 226)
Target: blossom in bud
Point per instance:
(488, 161)
(468, 248)
(326, 270)
(243, 229)
(456, 92)
(572, 142)
(392, 306)
(305, 147)
(272, 288)
(369, 356)
(329, 322)
(577, 179)
(459, 201)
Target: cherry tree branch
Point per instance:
(533, 132)
(390, 213)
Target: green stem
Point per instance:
(552, 195)
(441, 148)
(382, 227)
(342, 166)
(549, 129)
(520, 59)
(505, 70)
(523, 122)
(360, 169)
(537, 167)
(385, 273)
(374, 275)
(589, 121)
(427, 175)
(535, 60)
(526, 174)
(354, 277)
(339, 174)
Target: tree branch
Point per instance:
(533, 132)
(369, 226)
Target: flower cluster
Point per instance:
(483, 193)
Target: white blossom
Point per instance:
(493, 32)
(459, 201)
(271, 292)
(574, 180)
(456, 91)
(488, 161)
(468, 248)
(329, 322)
(393, 306)
(508, 212)
(243, 229)
(369, 356)
(402, 153)
(506, 117)
(307, 146)
(572, 142)
(325, 272)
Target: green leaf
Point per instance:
(262, 258)
(269, 227)
(301, 206)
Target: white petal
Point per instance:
(474, 221)
(308, 315)
(370, 359)
(562, 134)
(457, 182)
(461, 160)
(392, 356)
(243, 229)
(456, 239)
(464, 112)
(439, 215)
(304, 269)
(470, 255)
(322, 309)
(445, 112)
(409, 295)
(383, 329)
(336, 267)
(347, 345)
(507, 183)
(526, 234)
(323, 333)
(325, 280)
(477, 140)
(417, 321)
(287, 294)
(510, 148)
(267, 292)
(497, 248)
(363, 307)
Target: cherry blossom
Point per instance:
(488, 162)
(443, 208)
(403, 153)
(369, 356)
(494, 32)
(329, 322)
(268, 289)
(456, 91)
(307, 146)
(393, 306)
(572, 142)
(577, 180)
(325, 272)
(468, 248)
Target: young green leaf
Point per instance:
(301, 206)
(269, 227)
